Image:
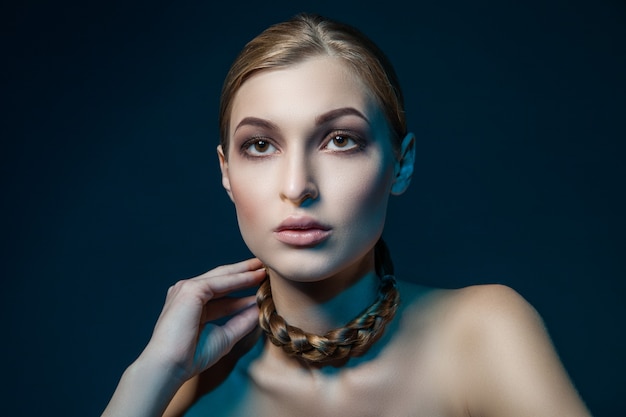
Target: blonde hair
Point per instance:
(308, 35)
(353, 339)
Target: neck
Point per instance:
(317, 307)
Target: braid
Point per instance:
(354, 339)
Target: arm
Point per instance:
(184, 342)
(513, 368)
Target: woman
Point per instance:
(313, 141)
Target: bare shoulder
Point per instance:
(468, 312)
(503, 359)
(486, 321)
(476, 317)
(470, 304)
(486, 309)
(494, 321)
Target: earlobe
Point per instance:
(404, 166)
(224, 169)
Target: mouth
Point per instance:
(302, 232)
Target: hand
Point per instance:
(184, 341)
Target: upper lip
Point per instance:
(300, 223)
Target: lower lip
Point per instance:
(302, 237)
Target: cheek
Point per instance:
(364, 190)
(249, 195)
(358, 202)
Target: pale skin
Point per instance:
(477, 351)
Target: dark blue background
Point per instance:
(111, 189)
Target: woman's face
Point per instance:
(310, 168)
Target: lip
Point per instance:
(302, 231)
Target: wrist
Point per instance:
(145, 389)
(157, 370)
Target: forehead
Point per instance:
(301, 92)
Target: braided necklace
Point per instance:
(354, 339)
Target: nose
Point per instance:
(298, 185)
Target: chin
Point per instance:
(313, 265)
(302, 270)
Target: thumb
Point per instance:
(216, 341)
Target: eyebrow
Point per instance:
(337, 113)
(255, 121)
(319, 120)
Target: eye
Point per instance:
(342, 142)
(258, 147)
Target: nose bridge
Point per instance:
(298, 179)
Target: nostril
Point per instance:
(299, 199)
(298, 185)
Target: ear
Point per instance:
(403, 170)
(224, 169)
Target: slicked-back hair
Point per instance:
(306, 36)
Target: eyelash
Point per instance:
(245, 147)
(358, 146)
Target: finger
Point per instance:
(224, 284)
(251, 264)
(197, 292)
(241, 324)
(217, 341)
(223, 307)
